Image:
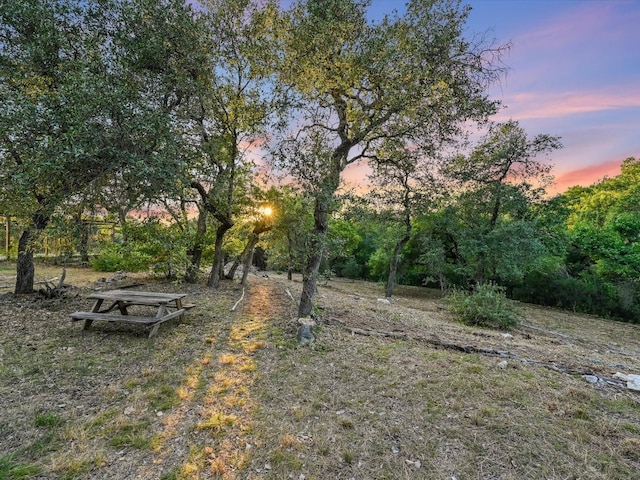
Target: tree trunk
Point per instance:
(25, 269)
(316, 250)
(240, 259)
(236, 263)
(248, 259)
(393, 267)
(218, 259)
(193, 268)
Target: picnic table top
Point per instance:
(151, 298)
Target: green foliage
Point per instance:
(585, 293)
(149, 244)
(48, 419)
(10, 469)
(486, 306)
(115, 257)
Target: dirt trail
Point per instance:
(208, 434)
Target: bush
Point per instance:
(486, 306)
(116, 257)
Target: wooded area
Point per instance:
(138, 134)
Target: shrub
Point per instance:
(116, 257)
(486, 306)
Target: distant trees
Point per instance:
(604, 231)
(498, 182)
(404, 183)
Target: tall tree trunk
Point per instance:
(316, 250)
(191, 274)
(218, 259)
(239, 259)
(25, 269)
(248, 259)
(393, 267)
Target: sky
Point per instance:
(574, 72)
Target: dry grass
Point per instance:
(231, 395)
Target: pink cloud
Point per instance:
(536, 105)
(587, 175)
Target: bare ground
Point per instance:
(386, 391)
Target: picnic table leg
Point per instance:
(123, 307)
(162, 311)
(96, 308)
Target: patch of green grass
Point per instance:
(133, 434)
(11, 469)
(284, 460)
(348, 457)
(103, 418)
(632, 428)
(173, 474)
(48, 419)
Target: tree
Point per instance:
(358, 83)
(405, 180)
(82, 109)
(502, 172)
(52, 140)
(604, 224)
(231, 116)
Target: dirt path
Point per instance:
(208, 435)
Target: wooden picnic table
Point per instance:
(169, 306)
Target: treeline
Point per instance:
(578, 251)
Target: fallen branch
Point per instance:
(377, 333)
(51, 290)
(239, 300)
(290, 296)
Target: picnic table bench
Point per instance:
(169, 306)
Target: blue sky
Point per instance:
(574, 71)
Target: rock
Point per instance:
(385, 301)
(633, 381)
(591, 378)
(414, 463)
(305, 334)
(506, 335)
(503, 364)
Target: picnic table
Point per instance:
(169, 306)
